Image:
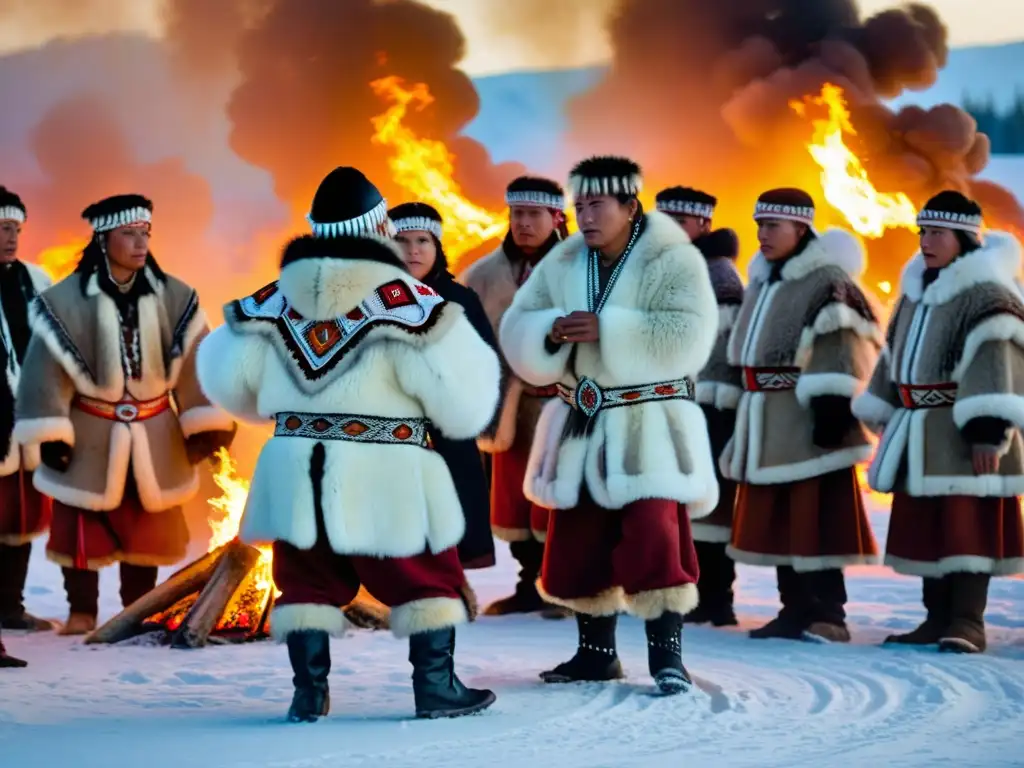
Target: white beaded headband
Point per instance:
(12, 213)
(536, 199)
(584, 186)
(126, 218)
(803, 214)
(411, 223)
(949, 220)
(686, 207)
(374, 221)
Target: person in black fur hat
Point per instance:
(621, 317)
(536, 225)
(419, 231)
(948, 402)
(718, 393)
(24, 512)
(109, 392)
(692, 209)
(804, 342)
(359, 365)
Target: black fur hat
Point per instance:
(606, 175)
(412, 216)
(786, 203)
(721, 242)
(687, 201)
(347, 203)
(535, 191)
(11, 207)
(118, 211)
(952, 210)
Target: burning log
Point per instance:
(234, 565)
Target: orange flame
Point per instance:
(425, 169)
(59, 261)
(843, 178)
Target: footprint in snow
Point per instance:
(136, 678)
(198, 678)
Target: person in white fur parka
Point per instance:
(357, 363)
(621, 317)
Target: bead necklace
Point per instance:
(595, 298)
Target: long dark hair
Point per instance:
(94, 257)
(440, 270)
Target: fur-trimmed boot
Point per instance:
(935, 595)
(665, 654)
(968, 598)
(309, 651)
(596, 658)
(436, 687)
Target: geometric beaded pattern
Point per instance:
(770, 379)
(123, 218)
(536, 199)
(355, 428)
(686, 207)
(914, 396)
(590, 398)
(800, 213)
(949, 220)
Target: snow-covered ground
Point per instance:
(767, 703)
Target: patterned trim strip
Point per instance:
(354, 428)
(177, 346)
(801, 213)
(46, 315)
(373, 222)
(412, 223)
(125, 218)
(126, 411)
(686, 207)
(770, 379)
(536, 199)
(949, 220)
(915, 396)
(589, 398)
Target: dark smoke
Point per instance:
(304, 102)
(699, 92)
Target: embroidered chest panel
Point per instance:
(319, 346)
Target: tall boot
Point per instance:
(309, 651)
(793, 618)
(664, 653)
(526, 598)
(717, 575)
(596, 659)
(935, 595)
(13, 571)
(827, 607)
(968, 598)
(136, 581)
(83, 589)
(9, 661)
(435, 686)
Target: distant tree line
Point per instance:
(1005, 128)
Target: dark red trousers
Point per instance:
(639, 559)
(513, 516)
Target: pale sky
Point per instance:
(578, 40)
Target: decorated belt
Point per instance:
(353, 428)
(126, 411)
(770, 379)
(589, 398)
(549, 391)
(928, 395)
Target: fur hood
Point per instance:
(836, 247)
(997, 261)
(325, 278)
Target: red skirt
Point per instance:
(81, 538)
(513, 516)
(24, 512)
(937, 535)
(811, 525)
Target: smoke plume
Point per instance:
(304, 102)
(699, 92)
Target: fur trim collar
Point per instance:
(660, 234)
(350, 248)
(325, 288)
(997, 261)
(836, 247)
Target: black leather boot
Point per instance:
(526, 598)
(436, 687)
(664, 653)
(309, 652)
(9, 661)
(968, 598)
(596, 659)
(936, 597)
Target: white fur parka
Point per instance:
(659, 324)
(378, 499)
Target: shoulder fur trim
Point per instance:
(349, 248)
(837, 317)
(661, 235)
(997, 261)
(41, 280)
(1002, 327)
(835, 247)
(481, 267)
(325, 288)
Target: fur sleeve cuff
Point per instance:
(50, 429)
(522, 335)
(205, 418)
(811, 385)
(837, 317)
(999, 328)
(1000, 406)
(724, 397)
(640, 347)
(871, 409)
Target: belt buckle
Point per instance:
(126, 412)
(588, 397)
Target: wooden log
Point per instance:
(182, 583)
(202, 619)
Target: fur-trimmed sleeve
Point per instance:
(674, 334)
(720, 384)
(877, 404)
(229, 370)
(839, 364)
(992, 385)
(455, 377)
(526, 326)
(195, 411)
(43, 404)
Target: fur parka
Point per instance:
(659, 324)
